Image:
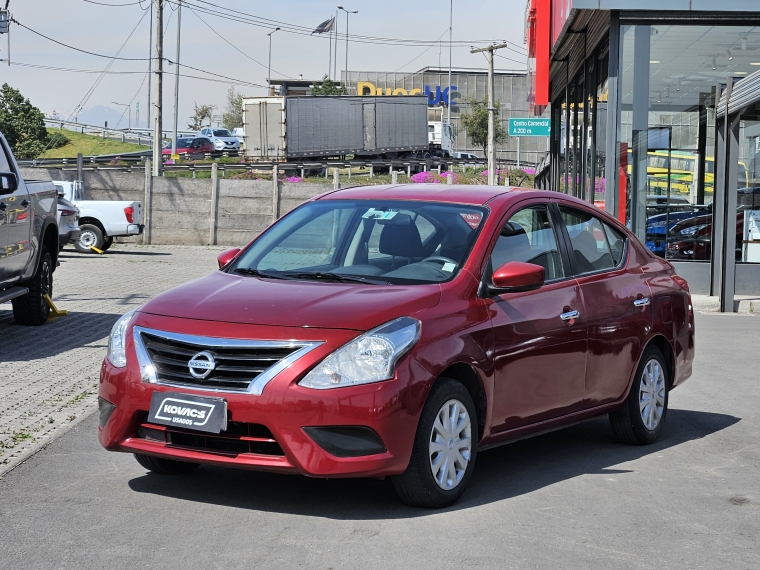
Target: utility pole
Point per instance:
(269, 67)
(176, 79)
(345, 87)
(158, 80)
(150, 67)
(491, 154)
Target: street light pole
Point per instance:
(451, 27)
(129, 106)
(347, 13)
(176, 79)
(269, 69)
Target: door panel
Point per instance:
(540, 359)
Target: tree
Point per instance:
(200, 113)
(22, 123)
(327, 87)
(233, 113)
(476, 123)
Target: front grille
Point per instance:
(237, 439)
(235, 366)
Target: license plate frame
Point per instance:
(188, 411)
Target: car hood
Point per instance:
(224, 297)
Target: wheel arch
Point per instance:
(50, 241)
(663, 344)
(466, 375)
(95, 222)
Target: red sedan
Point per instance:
(190, 146)
(394, 331)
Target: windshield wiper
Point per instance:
(334, 277)
(257, 273)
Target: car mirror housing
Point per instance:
(8, 183)
(226, 256)
(517, 276)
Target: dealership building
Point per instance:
(655, 117)
(510, 90)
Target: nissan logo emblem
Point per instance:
(201, 365)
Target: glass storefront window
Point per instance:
(599, 184)
(667, 99)
(748, 193)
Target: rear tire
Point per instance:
(165, 466)
(108, 242)
(443, 459)
(31, 309)
(91, 236)
(639, 421)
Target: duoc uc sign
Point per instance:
(434, 99)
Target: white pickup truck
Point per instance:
(101, 220)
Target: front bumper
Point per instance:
(390, 409)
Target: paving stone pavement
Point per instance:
(49, 374)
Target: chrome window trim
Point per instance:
(257, 385)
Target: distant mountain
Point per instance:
(99, 114)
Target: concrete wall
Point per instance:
(181, 211)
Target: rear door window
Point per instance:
(595, 245)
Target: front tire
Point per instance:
(91, 236)
(445, 447)
(165, 466)
(32, 309)
(642, 416)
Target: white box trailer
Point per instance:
(283, 128)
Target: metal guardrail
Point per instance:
(139, 136)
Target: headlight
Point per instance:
(372, 357)
(117, 341)
(692, 230)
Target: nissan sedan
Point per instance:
(393, 331)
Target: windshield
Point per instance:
(378, 241)
(222, 133)
(184, 143)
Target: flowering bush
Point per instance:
(294, 179)
(426, 177)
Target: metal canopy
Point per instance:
(744, 93)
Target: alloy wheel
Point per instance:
(652, 394)
(450, 444)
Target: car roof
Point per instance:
(450, 193)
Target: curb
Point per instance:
(26, 454)
(707, 304)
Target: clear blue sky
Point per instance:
(103, 29)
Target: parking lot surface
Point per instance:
(49, 374)
(569, 499)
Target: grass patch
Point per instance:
(89, 145)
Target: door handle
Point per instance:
(570, 315)
(25, 203)
(641, 302)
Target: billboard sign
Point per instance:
(560, 14)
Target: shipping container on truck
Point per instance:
(291, 128)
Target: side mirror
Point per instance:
(8, 183)
(516, 276)
(226, 256)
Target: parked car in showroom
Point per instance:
(28, 241)
(68, 223)
(222, 139)
(100, 221)
(394, 331)
(190, 146)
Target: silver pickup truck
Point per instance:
(28, 241)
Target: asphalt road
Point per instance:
(570, 499)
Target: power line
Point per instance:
(510, 59)
(235, 47)
(15, 21)
(214, 74)
(114, 5)
(420, 55)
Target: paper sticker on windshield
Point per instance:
(448, 267)
(473, 220)
(373, 214)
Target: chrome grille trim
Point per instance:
(257, 385)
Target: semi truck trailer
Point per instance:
(388, 128)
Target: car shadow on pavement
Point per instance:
(77, 329)
(501, 473)
(67, 254)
